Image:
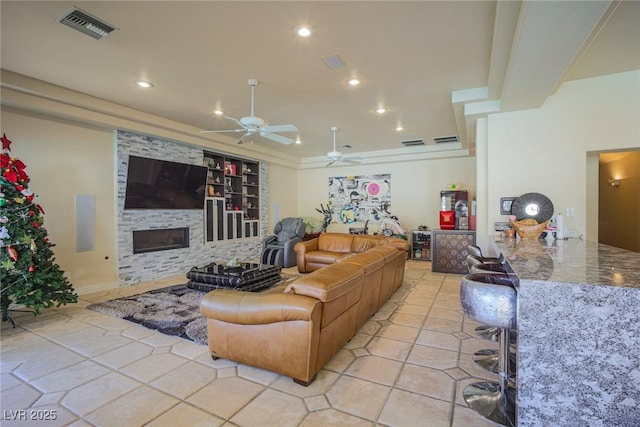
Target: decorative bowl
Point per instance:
(529, 228)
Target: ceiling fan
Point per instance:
(252, 125)
(335, 155)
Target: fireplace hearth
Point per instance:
(160, 239)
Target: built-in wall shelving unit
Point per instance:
(232, 205)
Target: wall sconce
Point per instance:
(615, 182)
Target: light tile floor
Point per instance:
(407, 366)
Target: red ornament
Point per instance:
(35, 224)
(13, 254)
(23, 175)
(40, 208)
(10, 175)
(4, 160)
(31, 269)
(20, 166)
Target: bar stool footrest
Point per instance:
(487, 400)
(489, 359)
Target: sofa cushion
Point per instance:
(339, 286)
(400, 244)
(323, 257)
(372, 264)
(327, 284)
(368, 261)
(335, 242)
(362, 243)
(388, 252)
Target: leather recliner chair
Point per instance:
(278, 249)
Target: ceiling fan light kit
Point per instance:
(252, 125)
(336, 156)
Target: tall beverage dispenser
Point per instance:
(454, 210)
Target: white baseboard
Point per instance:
(99, 287)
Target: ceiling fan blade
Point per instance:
(279, 128)
(277, 138)
(222, 131)
(234, 120)
(241, 140)
(331, 162)
(353, 160)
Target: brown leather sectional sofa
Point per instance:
(327, 248)
(296, 328)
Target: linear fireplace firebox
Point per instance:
(161, 239)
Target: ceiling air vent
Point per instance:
(412, 142)
(87, 24)
(445, 139)
(334, 61)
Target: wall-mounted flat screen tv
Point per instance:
(160, 184)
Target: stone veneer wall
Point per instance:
(143, 267)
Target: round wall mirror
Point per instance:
(532, 205)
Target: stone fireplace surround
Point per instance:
(141, 267)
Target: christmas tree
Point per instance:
(28, 274)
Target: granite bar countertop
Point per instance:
(572, 261)
(578, 332)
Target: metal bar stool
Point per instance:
(485, 332)
(476, 251)
(492, 299)
(489, 358)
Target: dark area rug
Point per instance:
(174, 310)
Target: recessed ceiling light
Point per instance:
(298, 141)
(381, 110)
(303, 31)
(218, 112)
(354, 82)
(144, 84)
(399, 128)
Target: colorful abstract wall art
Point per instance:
(360, 198)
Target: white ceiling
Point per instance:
(412, 57)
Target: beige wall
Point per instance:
(415, 188)
(619, 207)
(63, 161)
(545, 150)
(283, 193)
